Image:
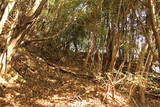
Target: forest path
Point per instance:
(49, 83)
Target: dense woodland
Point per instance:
(79, 53)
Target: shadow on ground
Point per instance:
(49, 84)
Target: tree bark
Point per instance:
(5, 15)
(154, 26)
(18, 33)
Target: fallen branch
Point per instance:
(67, 71)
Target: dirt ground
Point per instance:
(53, 82)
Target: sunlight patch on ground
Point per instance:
(9, 99)
(118, 100)
(3, 81)
(44, 102)
(9, 83)
(10, 79)
(51, 80)
(67, 101)
(92, 102)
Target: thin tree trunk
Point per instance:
(5, 15)
(139, 70)
(154, 26)
(144, 73)
(115, 52)
(91, 50)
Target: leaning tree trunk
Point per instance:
(154, 25)
(3, 20)
(18, 31)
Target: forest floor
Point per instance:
(56, 81)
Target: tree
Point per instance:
(20, 25)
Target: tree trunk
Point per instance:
(5, 15)
(154, 26)
(115, 52)
(91, 49)
(17, 34)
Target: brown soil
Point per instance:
(54, 82)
